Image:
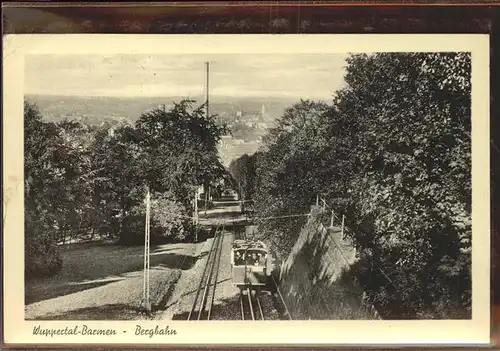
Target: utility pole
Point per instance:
(208, 87)
(195, 215)
(207, 64)
(342, 233)
(145, 293)
(241, 198)
(206, 199)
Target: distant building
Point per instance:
(225, 141)
(165, 107)
(253, 117)
(239, 114)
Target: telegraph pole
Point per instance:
(207, 64)
(209, 197)
(195, 216)
(206, 200)
(145, 293)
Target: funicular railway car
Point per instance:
(249, 264)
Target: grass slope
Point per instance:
(102, 281)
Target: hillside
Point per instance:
(97, 109)
(248, 118)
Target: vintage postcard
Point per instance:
(246, 189)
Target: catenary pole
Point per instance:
(146, 291)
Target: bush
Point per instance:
(42, 256)
(168, 217)
(169, 222)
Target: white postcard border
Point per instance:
(19, 331)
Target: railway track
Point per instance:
(254, 304)
(205, 294)
(251, 307)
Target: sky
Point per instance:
(307, 76)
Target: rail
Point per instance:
(249, 308)
(216, 273)
(205, 284)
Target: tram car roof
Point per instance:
(245, 245)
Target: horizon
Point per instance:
(260, 97)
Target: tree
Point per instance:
(171, 152)
(43, 180)
(180, 148)
(285, 182)
(243, 170)
(75, 202)
(414, 187)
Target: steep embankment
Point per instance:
(315, 278)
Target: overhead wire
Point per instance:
(255, 218)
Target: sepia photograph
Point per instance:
(162, 187)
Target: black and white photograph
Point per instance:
(165, 187)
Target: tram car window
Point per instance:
(249, 263)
